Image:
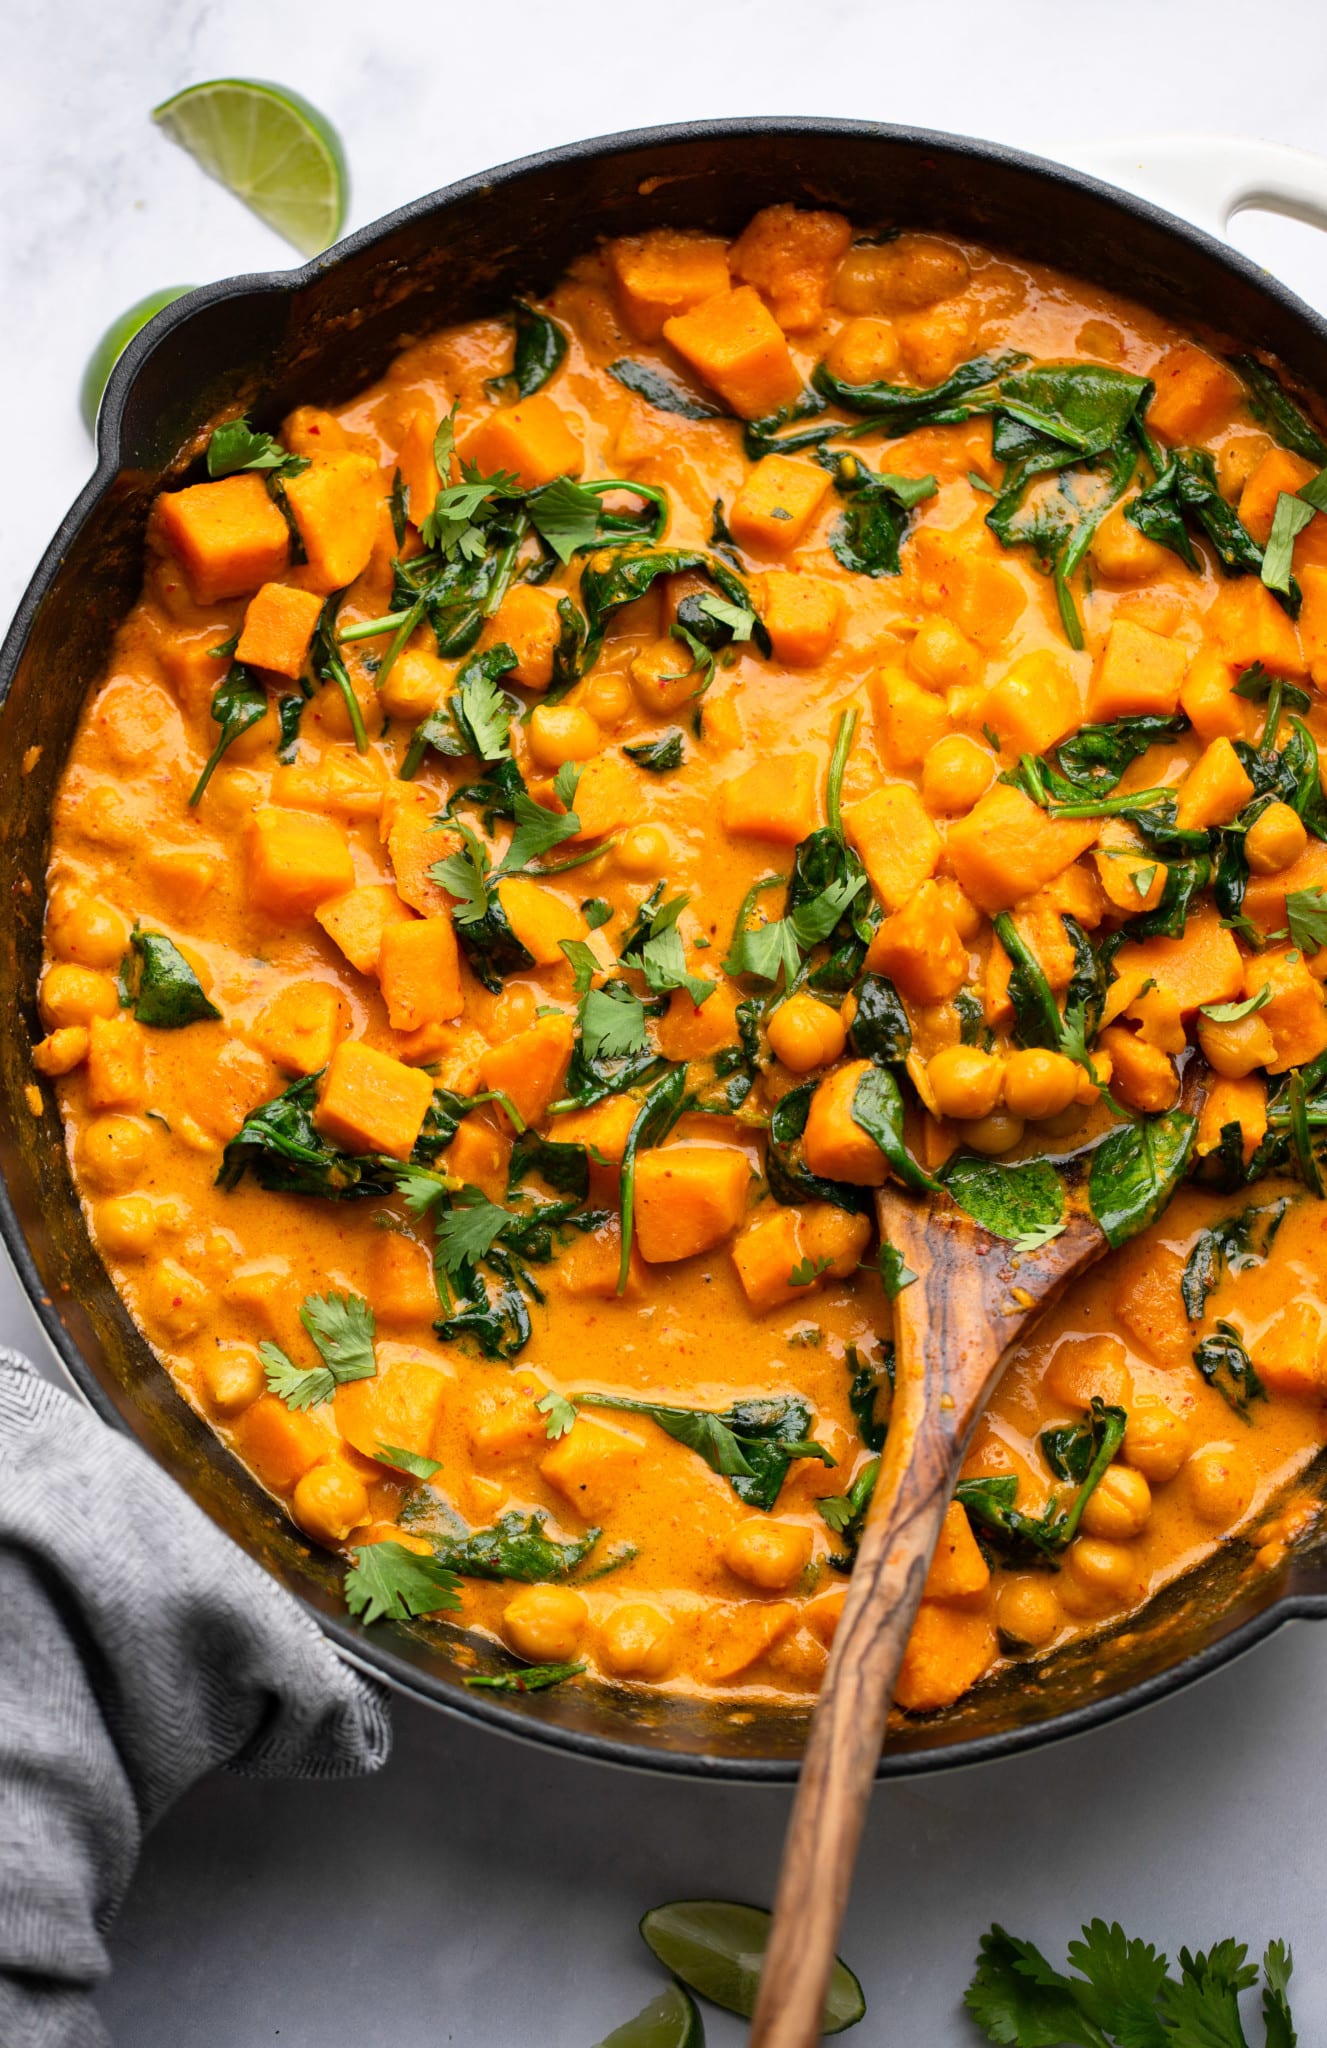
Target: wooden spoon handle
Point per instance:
(843, 1752)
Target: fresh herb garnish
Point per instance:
(238, 702)
(238, 446)
(342, 1329)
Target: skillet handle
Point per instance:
(1210, 178)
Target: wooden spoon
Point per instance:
(973, 1299)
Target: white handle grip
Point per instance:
(1209, 178)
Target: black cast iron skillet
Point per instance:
(317, 335)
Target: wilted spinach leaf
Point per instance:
(1135, 1171)
(1227, 1367)
(662, 392)
(165, 991)
(877, 1109)
(238, 702)
(1023, 1202)
(880, 1030)
(540, 348)
(514, 1548)
(1230, 1245)
(790, 1180)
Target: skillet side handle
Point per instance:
(843, 1751)
(1210, 178)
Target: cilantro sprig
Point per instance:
(342, 1328)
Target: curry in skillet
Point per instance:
(559, 830)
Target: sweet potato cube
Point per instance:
(1294, 1015)
(1141, 1075)
(419, 472)
(281, 1444)
(593, 1464)
(777, 799)
(589, 1267)
(479, 1155)
(336, 502)
(419, 973)
(299, 1028)
(1265, 896)
(833, 1144)
(527, 621)
(801, 615)
(790, 256)
(415, 844)
(296, 860)
(1209, 702)
(1288, 1357)
(920, 950)
(1034, 704)
(1007, 848)
(776, 505)
(743, 1635)
(1202, 965)
(1215, 789)
(402, 1290)
(1195, 394)
(1146, 1298)
(1247, 624)
(1313, 621)
(115, 1063)
(766, 1255)
(1139, 672)
(228, 537)
(402, 1403)
(734, 342)
(899, 845)
(958, 1569)
(1280, 470)
(371, 1102)
(533, 439)
(688, 1199)
(1241, 1102)
(530, 1067)
(689, 1031)
(349, 784)
(664, 272)
(909, 720)
(607, 797)
(947, 1652)
(278, 627)
(356, 922)
(603, 1129)
(954, 576)
(541, 918)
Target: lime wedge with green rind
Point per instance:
(113, 344)
(271, 149)
(668, 2021)
(717, 1949)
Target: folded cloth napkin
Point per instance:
(139, 1649)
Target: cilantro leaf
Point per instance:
(807, 1271)
(464, 875)
(612, 1023)
(412, 1462)
(1277, 1965)
(567, 516)
(1306, 915)
(538, 830)
(1016, 1998)
(739, 619)
(663, 960)
(298, 1386)
(485, 712)
(560, 1413)
(895, 1272)
(1231, 1013)
(584, 963)
(421, 1186)
(387, 1581)
(238, 446)
(469, 1229)
(342, 1327)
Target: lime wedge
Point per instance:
(271, 149)
(112, 345)
(717, 1949)
(668, 2021)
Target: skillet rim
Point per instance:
(352, 1641)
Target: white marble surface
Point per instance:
(479, 1892)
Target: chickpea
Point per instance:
(805, 1034)
(643, 851)
(64, 1050)
(1275, 840)
(636, 1641)
(941, 656)
(955, 774)
(329, 1502)
(662, 677)
(1099, 1577)
(1084, 1366)
(1220, 1479)
(545, 1623)
(514, 1010)
(562, 732)
(966, 1082)
(1038, 1083)
(416, 684)
(1119, 1506)
(1156, 1439)
(176, 1301)
(993, 1134)
(127, 1225)
(1027, 1610)
(1123, 554)
(607, 698)
(230, 1379)
(912, 270)
(863, 351)
(1233, 1050)
(768, 1554)
(75, 995)
(113, 1151)
(832, 1234)
(86, 930)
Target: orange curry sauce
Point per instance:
(301, 899)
